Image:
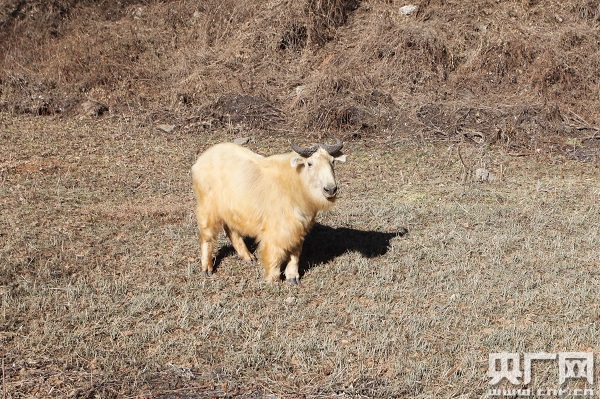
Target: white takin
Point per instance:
(272, 199)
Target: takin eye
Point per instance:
(309, 164)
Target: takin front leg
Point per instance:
(292, 275)
(271, 258)
(238, 243)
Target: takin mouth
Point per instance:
(330, 193)
(329, 197)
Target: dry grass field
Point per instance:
(408, 285)
(421, 270)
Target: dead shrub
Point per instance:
(223, 19)
(327, 15)
(344, 102)
(341, 116)
(555, 73)
(502, 62)
(588, 10)
(294, 39)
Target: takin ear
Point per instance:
(296, 161)
(341, 158)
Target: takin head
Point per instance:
(315, 164)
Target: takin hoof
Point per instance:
(247, 259)
(208, 273)
(295, 281)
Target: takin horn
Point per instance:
(304, 151)
(333, 148)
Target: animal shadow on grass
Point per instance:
(323, 244)
(227, 250)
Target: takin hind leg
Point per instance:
(208, 231)
(238, 243)
(271, 258)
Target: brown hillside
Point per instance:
(523, 73)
